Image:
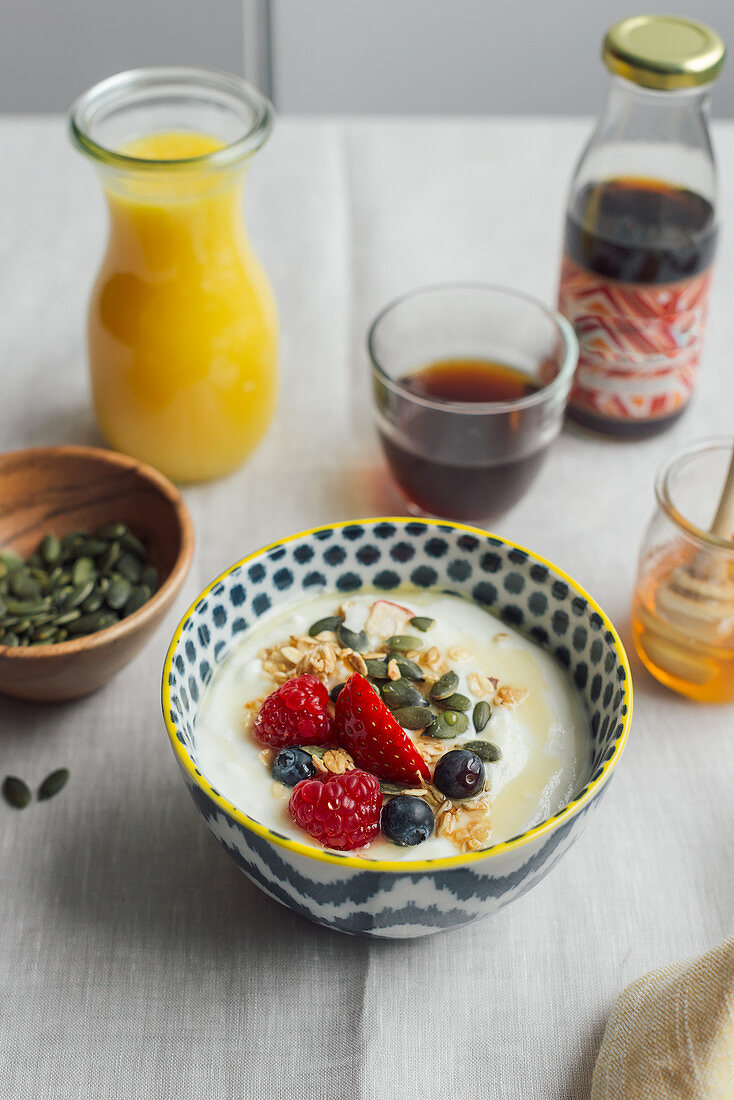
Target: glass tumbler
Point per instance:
(468, 460)
(683, 604)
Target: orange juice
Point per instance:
(182, 323)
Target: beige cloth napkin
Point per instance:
(671, 1034)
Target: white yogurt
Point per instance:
(543, 739)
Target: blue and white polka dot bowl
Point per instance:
(381, 898)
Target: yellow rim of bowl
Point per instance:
(405, 866)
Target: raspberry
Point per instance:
(295, 714)
(341, 812)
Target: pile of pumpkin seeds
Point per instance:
(442, 712)
(73, 586)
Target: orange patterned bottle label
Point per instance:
(639, 343)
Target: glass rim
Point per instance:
(664, 498)
(114, 89)
(561, 382)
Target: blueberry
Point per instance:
(292, 765)
(407, 820)
(459, 774)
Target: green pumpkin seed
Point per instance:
(140, 595)
(422, 623)
(3, 607)
(109, 558)
(23, 608)
(130, 567)
(93, 547)
(53, 581)
(401, 693)
(438, 730)
(485, 750)
(78, 595)
(82, 571)
(93, 602)
(118, 593)
(53, 783)
(15, 792)
(51, 549)
(60, 636)
(90, 624)
(408, 668)
(350, 639)
(24, 586)
(45, 633)
(392, 788)
(403, 642)
(446, 686)
(11, 639)
(133, 544)
(448, 725)
(413, 718)
(455, 702)
(330, 622)
(112, 531)
(314, 750)
(23, 626)
(481, 715)
(12, 561)
(377, 669)
(150, 577)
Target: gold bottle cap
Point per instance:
(663, 51)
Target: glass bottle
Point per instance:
(182, 327)
(683, 604)
(641, 229)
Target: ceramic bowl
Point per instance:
(64, 489)
(382, 898)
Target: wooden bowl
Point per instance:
(65, 489)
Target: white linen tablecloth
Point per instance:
(135, 959)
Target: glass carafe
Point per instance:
(641, 229)
(182, 322)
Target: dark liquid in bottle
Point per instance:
(427, 451)
(638, 231)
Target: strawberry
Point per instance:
(370, 734)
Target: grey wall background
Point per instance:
(338, 56)
(460, 56)
(51, 50)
